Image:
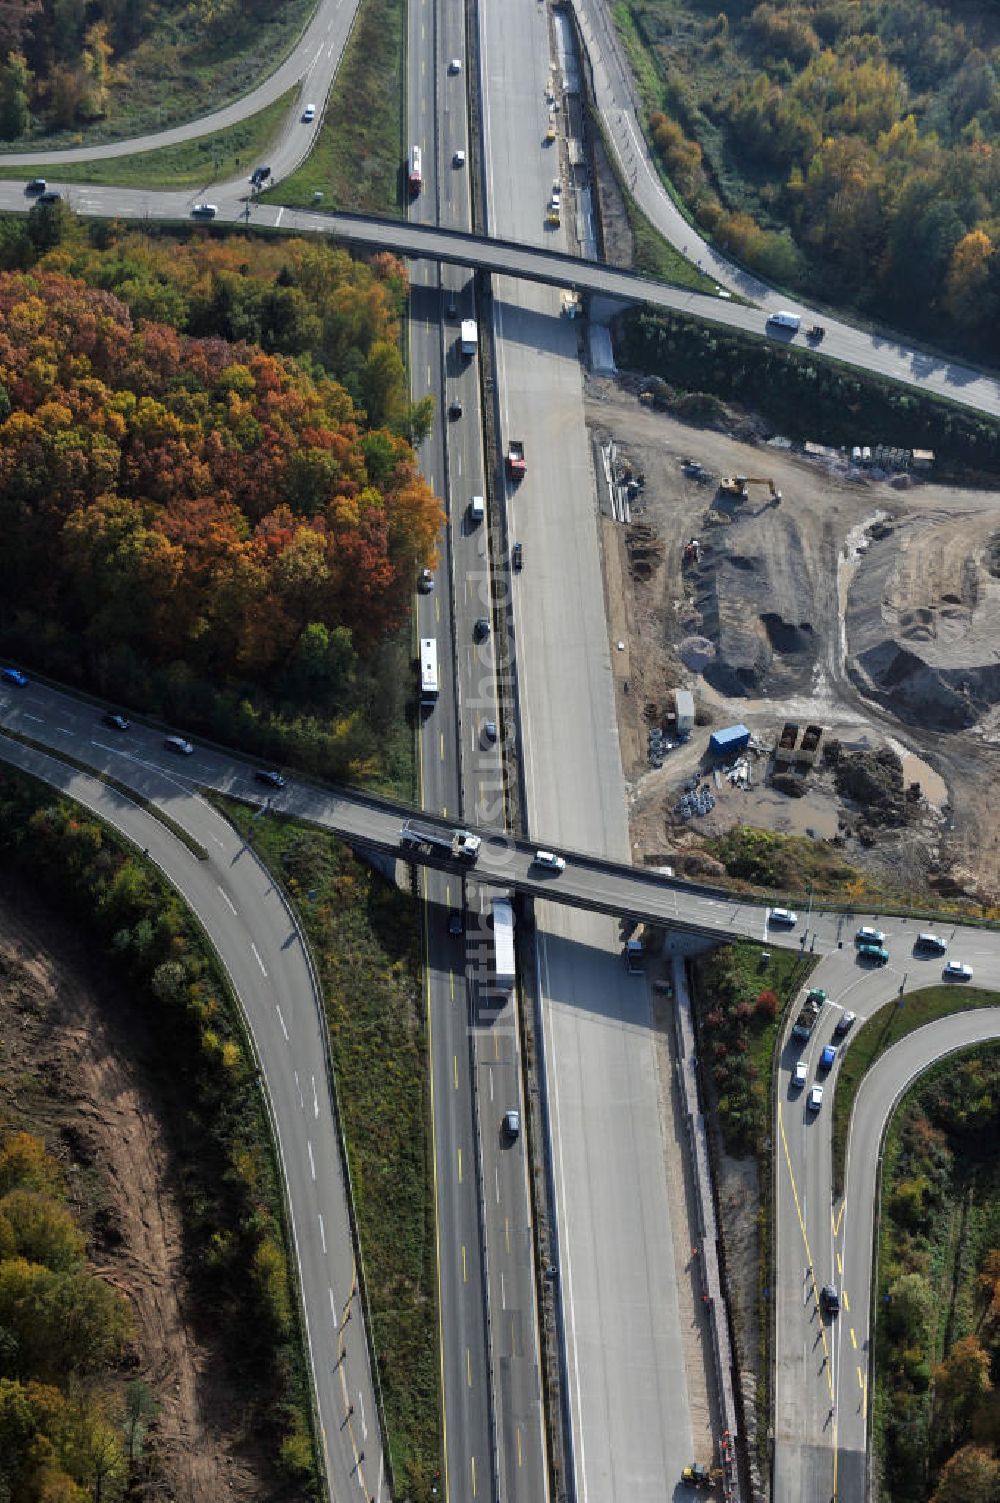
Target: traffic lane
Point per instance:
(274, 990)
(874, 1104)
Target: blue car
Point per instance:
(14, 676)
(828, 1056)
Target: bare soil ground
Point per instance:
(868, 606)
(76, 1068)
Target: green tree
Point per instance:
(44, 1231)
(909, 1316)
(15, 92)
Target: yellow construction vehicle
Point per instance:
(739, 486)
(701, 1476)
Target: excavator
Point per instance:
(696, 1475)
(739, 486)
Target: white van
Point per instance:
(551, 860)
(477, 510)
(785, 320)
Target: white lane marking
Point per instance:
(333, 1307)
(315, 1098)
(381, 1474)
(490, 1073)
(496, 1175)
(281, 1021)
(364, 1422)
(302, 1104)
(37, 718)
(256, 957)
(278, 220)
(322, 1233)
(61, 731)
(227, 899)
(312, 1161)
(503, 1292)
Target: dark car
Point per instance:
(271, 778)
(829, 1300)
(14, 676)
(481, 629)
(455, 408)
(116, 722)
(260, 175)
(37, 185)
(425, 582)
(456, 924)
(518, 557)
(510, 1126)
(50, 198)
(179, 745)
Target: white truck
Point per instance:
(468, 339)
(451, 842)
(503, 944)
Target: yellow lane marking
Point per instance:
(506, 1230)
(451, 980)
(468, 1367)
(840, 1265)
(455, 1063)
(839, 1216)
(437, 609)
(473, 1459)
(460, 1166)
(854, 1341)
(496, 1044)
(442, 746)
(519, 1457)
(805, 1243)
(465, 1271)
(847, 1303)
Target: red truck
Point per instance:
(516, 467)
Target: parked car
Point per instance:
(815, 1098)
(510, 1127)
(116, 722)
(270, 777)
(877, 954)
(866, 936)
(518, 557)
(783, 916)
(829, 1300)
(844, 1024)
(14, 676)
(956, 970)
(178, 745)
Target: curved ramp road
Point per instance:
(822, 1365)
(261, 949)
(312, 63)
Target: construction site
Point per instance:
(842, 615)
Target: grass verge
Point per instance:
(357, 162)
(883, 1029)
(190, 164)
(365, 939)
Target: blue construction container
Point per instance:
(728, 742)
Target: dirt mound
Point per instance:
(756, 599)
(923, 618)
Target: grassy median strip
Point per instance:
(139, 799)
(190, 164)
(883, 1029)
(365, 939)
(357, 162)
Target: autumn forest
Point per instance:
(208, 497)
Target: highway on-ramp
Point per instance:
(263, 953)
(822, 1364)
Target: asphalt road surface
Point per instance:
(821, 1364)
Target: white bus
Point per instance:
(428, 670)
(415, 170)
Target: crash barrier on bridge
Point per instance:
(708, 1259)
